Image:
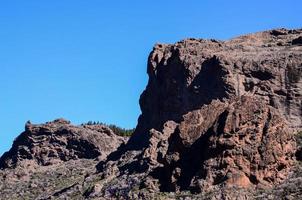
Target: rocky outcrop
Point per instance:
(192, 73)
(219, 121)
(217, 113)
(59, 141)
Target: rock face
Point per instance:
(218, 113)
(59, 141)
(247, 143)
(191, 73)
(219, 119)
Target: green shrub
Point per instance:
(121, 131)
(116, 129)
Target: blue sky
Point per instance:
(86, 60)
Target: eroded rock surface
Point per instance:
(192, 73)
(248, 144)
(60, 141)
(217, 114)
(219, 121)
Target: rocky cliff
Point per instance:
(219, 121)
(192, 73)
(217, 114)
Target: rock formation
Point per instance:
(217, 113)
(219, 119)
(191, 73)
(59, 141)
(247, 143)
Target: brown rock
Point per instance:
(219, 113)
(57, 141)
(193, 73)
(218, 118)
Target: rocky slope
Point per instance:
(48, 160)
(219, 121)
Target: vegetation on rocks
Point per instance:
(116, 129)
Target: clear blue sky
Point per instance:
(86, 59)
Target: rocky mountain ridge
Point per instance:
(218, 117)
